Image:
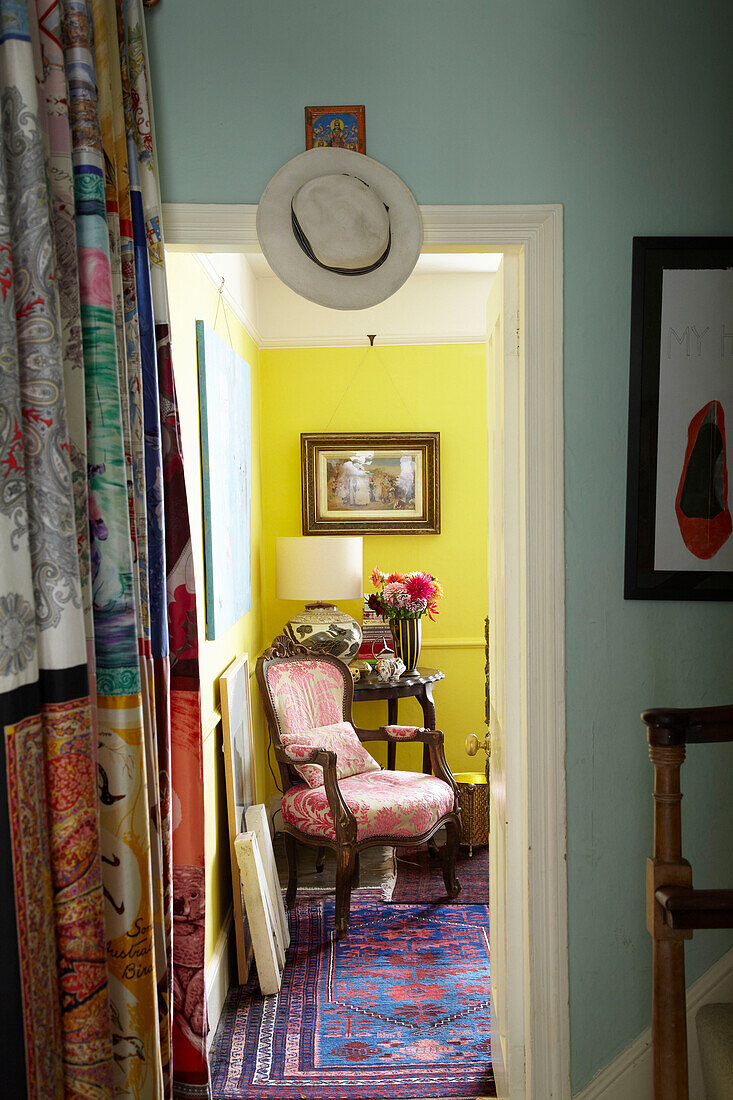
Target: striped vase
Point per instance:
(407, 637)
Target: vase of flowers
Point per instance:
(403, 599)
(407, 640)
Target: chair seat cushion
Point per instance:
(351, 756)
(384, 803)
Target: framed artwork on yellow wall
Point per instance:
(371, 483)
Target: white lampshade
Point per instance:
(319, 567)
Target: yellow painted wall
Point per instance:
(193, 297)
(422, 388)
(435, 388)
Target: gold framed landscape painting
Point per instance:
(370, 483)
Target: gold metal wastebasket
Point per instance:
(473, 793)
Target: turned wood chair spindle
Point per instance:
(673, 907)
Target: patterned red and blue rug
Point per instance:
(399, 1009)
(420, 878)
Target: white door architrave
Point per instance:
(537, 982)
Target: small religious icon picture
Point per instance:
(337, 127)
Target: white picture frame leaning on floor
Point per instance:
(258, 823)
(269, 949)
(237, 746)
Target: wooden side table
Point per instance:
(420, 687)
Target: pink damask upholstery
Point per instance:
(351, 756)
(402, 733)
(384, 803)
(306, 694)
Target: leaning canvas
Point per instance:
(226, 460)
(237, 746)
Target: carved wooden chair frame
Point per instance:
(346, 846)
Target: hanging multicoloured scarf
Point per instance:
(101, 831)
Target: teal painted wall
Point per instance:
(623, 112)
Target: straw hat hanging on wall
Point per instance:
(339, 228)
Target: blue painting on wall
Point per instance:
(226, 460)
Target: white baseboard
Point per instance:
(629, 1076)
(218, 976)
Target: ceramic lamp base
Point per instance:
(322, 628)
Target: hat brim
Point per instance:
(291, 264)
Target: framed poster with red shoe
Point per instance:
(679, 533)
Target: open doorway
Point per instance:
(534, 1040)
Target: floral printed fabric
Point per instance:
(306, 695)
(54, 1015)
(124, 734)
(100, 796)
(351, 756)
(402, 733)
(384, 803)
(179, 745)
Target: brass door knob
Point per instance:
(473, 744)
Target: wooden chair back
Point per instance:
(301, 689)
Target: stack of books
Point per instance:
(376, 634)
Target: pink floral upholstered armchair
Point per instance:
(335, 794)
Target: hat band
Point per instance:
(305, 245)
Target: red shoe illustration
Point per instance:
(702, 498)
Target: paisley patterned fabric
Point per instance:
(306, 695)
(100, 998)
(34, 902)
(54, 111)
(351, 756)
(54, 1014)
(403, 733)
(71, 779)
(384, 803)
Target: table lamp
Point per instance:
(320, 569)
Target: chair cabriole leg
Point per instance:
(345, 858)
(449, 854)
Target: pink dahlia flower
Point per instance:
(392, 594)
(417, 607)
(420, 586)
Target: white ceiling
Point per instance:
(443, 302)
(429, 263)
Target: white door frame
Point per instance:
(538, 981)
